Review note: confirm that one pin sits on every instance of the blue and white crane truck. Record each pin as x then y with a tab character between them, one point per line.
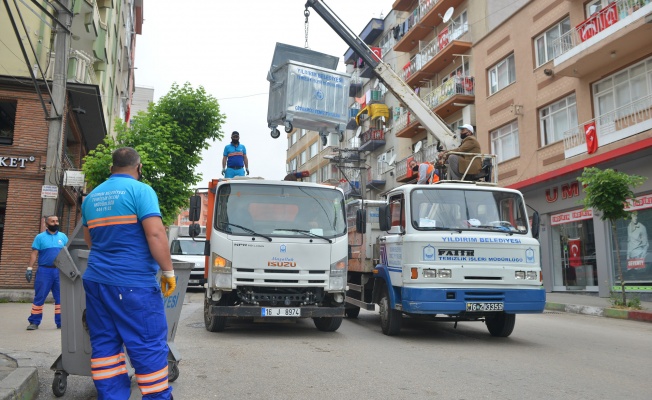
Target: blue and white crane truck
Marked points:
453	251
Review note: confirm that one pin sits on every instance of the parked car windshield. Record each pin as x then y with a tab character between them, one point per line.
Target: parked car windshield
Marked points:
187	248
280	210
468	210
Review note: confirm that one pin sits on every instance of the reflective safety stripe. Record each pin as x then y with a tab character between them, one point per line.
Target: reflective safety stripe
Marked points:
106	361
108	373
236	153
119	220
37	309
154	376
154	388
57	309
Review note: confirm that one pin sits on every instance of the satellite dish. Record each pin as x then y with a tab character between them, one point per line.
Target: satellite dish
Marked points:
357	133
391	160
448	14
417	147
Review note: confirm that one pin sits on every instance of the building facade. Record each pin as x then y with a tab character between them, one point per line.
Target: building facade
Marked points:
99	87
536	79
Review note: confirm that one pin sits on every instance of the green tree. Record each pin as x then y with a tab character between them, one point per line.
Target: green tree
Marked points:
170	137
607	191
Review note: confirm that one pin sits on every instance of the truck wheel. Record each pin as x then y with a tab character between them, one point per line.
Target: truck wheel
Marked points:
501	325
352	312
328	324
213	323
390	320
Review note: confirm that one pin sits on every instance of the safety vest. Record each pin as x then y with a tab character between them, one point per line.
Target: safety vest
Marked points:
430	173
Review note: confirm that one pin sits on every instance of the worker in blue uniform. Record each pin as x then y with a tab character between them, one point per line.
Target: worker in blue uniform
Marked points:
46	248
124	307
234	160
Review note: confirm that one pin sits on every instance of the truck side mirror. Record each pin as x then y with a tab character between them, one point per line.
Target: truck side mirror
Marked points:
194	230
535	225
195	208
361	221
384	218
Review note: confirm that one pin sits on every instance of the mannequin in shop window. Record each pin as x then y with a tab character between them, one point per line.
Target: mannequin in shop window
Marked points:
637	243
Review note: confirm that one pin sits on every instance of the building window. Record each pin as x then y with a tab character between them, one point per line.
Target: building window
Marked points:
504	142
556	119
7	121
548	45
293	138
502	74
458	26
303	132
4	190
304	157
456	125
626	92
314	149
383	161
292	165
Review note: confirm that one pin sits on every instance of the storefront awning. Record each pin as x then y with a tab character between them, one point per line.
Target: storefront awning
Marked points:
374	110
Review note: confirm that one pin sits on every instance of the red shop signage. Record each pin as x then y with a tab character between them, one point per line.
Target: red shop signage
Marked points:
571	216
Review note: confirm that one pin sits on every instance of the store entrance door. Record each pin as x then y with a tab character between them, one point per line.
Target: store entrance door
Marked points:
574	254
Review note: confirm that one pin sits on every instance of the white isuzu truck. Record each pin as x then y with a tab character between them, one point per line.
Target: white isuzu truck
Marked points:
274	249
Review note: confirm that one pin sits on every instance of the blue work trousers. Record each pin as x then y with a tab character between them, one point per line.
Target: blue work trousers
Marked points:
230	172
46	280
133	318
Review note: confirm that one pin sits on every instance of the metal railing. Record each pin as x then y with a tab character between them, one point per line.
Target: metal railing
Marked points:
462	85
596	23
622	122
372	134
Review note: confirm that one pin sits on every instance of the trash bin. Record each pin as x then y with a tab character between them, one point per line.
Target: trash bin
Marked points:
76	349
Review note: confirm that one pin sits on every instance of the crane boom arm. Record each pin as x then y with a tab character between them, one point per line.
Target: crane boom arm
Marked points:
423	114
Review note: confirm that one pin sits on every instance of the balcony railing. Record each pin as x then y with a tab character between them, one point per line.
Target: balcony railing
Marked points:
618	124
404	119
429	51
459	85
611	15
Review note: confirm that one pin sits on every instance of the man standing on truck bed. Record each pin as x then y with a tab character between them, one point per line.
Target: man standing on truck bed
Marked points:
234	160
457	163
124	308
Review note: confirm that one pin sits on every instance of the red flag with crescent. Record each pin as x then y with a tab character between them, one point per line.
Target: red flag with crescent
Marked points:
591	137
575	252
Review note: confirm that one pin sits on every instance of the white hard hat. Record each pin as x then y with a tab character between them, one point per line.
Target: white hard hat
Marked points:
467	126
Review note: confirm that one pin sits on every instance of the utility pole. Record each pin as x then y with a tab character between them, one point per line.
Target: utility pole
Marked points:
58	100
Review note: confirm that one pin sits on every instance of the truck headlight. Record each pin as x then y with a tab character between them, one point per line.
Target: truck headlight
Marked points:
532	275
338	271
519	274
221	270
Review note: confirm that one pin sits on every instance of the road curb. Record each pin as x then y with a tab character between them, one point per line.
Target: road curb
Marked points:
21	384
634	315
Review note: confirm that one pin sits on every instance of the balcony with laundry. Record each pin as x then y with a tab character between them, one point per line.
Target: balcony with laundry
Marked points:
436	55
372	139
369	35
623	122
451	96
622	27
420	22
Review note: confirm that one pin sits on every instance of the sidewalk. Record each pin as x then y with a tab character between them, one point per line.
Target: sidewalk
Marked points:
19	370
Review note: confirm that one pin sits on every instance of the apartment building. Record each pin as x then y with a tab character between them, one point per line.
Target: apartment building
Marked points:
552	77
100	83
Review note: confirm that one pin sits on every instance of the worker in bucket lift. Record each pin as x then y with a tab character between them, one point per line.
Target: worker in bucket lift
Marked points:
426	172
234	160
124	302
457	163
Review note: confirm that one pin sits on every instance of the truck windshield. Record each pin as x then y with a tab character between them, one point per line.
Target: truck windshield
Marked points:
468	210
280	210
187	247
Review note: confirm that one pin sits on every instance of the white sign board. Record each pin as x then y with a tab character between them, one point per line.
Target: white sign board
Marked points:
49	192
73	178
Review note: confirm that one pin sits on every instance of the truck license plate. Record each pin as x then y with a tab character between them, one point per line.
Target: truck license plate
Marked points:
280	312
484	307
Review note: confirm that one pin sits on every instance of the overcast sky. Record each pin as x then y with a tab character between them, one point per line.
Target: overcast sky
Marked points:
227	47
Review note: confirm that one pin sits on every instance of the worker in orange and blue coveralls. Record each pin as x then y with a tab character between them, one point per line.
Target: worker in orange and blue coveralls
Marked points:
234	160
124	302
426	171
46	248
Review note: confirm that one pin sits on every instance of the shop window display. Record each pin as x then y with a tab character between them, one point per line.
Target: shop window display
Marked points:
574	251
634	244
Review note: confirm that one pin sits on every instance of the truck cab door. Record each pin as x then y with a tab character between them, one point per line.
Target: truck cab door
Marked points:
391	244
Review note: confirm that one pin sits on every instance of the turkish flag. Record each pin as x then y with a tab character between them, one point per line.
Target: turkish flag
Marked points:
378	53
443	38
575	252
591	137
608	16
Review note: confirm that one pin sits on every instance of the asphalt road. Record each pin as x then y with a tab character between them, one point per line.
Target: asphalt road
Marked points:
549	356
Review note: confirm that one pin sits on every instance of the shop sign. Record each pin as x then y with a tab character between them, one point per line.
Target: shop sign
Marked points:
639	203
73	178
568	190
571	216
15	162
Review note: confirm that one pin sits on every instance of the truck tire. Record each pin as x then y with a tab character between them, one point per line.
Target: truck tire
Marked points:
213	323
501	325
352	312
390	319
328	324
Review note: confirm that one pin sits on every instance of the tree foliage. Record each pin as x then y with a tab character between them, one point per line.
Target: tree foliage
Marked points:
169	137
607	192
